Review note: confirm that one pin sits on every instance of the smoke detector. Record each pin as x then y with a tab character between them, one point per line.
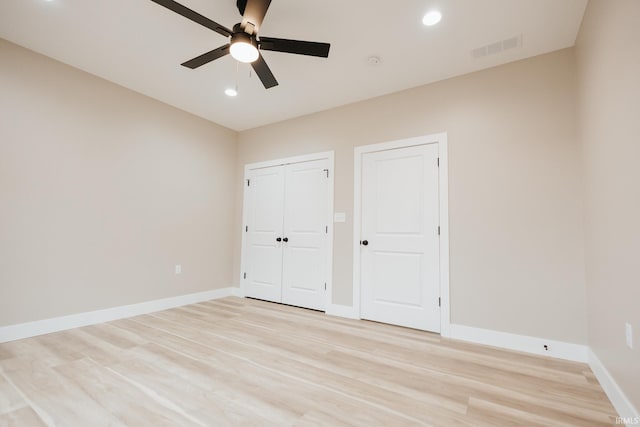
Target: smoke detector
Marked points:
374	60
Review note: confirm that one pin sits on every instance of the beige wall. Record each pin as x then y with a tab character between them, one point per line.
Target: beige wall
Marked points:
609	69
514	186
102	191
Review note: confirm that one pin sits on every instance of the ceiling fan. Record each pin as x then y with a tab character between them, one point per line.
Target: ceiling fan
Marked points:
244	44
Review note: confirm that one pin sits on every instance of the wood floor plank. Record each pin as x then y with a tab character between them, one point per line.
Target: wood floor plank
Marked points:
244	362
223	381
31	349
215	404
115	336
526	416
23	417
10	399
121	398
63	402
5	353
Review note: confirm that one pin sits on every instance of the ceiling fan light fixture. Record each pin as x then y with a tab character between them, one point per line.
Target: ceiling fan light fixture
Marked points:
243	48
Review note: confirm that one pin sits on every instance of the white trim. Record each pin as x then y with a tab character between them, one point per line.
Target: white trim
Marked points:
357	216
443	180
443	183
338	310
330	157
527	344
236	291
332	173
55	324
289	160
620	401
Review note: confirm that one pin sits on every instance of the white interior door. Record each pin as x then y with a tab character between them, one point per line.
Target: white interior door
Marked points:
305	234
264	228
399	231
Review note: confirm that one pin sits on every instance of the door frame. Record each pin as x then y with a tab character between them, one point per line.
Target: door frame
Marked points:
443	202
329	156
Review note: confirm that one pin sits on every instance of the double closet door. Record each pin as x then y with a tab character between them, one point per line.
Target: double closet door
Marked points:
287	233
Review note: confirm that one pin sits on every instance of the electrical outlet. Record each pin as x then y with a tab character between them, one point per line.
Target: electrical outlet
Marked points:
178	269
629	334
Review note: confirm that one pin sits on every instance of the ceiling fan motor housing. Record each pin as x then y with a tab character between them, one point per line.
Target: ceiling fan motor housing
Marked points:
242	37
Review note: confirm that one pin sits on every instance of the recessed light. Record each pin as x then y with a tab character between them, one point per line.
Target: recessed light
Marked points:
231	92
431	18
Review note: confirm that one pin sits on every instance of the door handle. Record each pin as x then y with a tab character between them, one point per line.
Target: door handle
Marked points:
279	239
364	242
286	239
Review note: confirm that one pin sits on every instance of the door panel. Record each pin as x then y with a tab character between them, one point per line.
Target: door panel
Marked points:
387	268
400	265
305	226
398	213
264	253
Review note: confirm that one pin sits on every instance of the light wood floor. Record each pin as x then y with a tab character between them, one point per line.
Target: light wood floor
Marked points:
244	362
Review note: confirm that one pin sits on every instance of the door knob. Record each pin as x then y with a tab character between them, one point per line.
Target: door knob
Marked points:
364	242
286	239
279	239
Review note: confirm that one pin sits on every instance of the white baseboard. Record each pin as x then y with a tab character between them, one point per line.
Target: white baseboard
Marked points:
46	326
620	402
236	291
341	311
559	349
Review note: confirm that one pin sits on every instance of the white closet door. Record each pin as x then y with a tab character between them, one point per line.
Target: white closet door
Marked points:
400	261
266	208
305	228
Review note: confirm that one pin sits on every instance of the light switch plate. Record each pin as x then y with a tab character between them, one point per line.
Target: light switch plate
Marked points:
178	269
629	335
340	217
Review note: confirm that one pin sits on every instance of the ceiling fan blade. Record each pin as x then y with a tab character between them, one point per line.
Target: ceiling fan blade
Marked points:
295	46
262	70
254	13
205	58
194	16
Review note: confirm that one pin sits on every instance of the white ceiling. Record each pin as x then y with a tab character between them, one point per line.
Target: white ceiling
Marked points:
140	45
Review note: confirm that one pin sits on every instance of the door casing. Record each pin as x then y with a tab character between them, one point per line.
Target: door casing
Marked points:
441	140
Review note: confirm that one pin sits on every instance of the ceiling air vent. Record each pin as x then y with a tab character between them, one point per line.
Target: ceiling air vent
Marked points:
497	47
